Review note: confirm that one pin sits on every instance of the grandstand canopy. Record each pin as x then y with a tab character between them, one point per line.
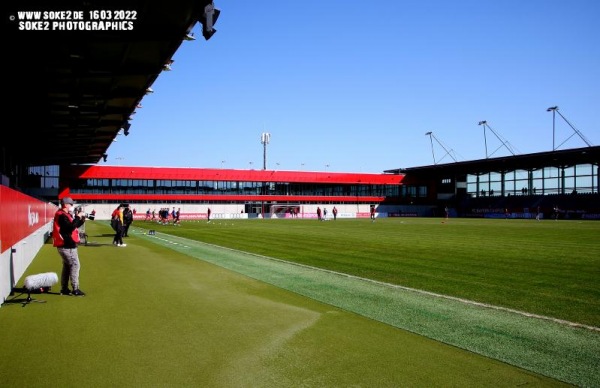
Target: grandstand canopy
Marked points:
71	92
558	158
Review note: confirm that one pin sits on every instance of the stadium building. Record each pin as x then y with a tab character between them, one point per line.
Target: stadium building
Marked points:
519	186
229	193
76	93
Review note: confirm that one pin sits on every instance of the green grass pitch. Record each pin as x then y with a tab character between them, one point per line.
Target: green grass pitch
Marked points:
549	268
160	313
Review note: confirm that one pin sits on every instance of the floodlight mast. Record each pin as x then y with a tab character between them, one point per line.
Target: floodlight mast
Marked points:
503	142
483	122
432	136
265	138
554	110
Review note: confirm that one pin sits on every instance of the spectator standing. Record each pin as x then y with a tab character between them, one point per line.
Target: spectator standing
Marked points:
177	215
117	224
127	221
65	236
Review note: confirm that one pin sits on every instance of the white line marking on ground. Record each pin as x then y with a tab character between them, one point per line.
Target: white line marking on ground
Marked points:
416	290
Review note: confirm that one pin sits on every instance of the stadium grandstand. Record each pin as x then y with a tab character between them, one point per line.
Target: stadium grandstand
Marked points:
519	186
81	91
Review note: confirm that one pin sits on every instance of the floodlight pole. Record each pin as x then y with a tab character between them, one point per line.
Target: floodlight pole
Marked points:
577	132
432	136
265	137
553	110
503	142
431	141
483	122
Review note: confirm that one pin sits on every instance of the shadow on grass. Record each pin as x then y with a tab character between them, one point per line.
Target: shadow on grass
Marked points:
24	301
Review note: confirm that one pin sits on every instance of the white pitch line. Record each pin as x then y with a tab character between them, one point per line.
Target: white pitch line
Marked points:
416	290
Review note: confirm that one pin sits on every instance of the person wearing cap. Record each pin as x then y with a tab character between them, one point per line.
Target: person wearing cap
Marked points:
65	236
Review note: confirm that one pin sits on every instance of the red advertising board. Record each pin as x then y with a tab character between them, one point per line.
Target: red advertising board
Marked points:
21	216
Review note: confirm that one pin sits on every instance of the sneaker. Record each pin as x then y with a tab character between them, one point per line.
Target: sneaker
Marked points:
122	245
78	292
65	292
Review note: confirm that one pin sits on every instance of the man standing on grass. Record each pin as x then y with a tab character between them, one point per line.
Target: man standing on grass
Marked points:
65	236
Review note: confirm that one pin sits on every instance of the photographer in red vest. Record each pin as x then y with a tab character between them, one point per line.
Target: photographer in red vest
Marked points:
65	236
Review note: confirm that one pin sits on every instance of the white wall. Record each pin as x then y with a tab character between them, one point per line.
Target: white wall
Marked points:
104	211
14	264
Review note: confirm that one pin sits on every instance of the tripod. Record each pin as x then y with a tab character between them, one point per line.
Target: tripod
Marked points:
29	299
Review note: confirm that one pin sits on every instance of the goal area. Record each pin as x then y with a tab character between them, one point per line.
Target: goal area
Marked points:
285	210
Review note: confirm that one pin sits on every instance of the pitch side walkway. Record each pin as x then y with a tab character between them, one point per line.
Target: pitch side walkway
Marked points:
549	347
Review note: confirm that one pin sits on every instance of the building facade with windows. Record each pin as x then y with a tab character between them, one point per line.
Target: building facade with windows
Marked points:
227	191
520	185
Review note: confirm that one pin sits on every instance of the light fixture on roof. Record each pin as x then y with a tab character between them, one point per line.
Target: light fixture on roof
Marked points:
126	128
167	66
209	19
189	37
139	106
149	91
104	157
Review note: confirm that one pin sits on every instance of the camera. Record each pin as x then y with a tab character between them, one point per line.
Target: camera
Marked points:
79	209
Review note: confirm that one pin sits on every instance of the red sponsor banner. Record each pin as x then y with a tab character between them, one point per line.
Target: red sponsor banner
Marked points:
21	216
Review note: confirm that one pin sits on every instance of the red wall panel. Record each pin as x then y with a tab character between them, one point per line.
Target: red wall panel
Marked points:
21	216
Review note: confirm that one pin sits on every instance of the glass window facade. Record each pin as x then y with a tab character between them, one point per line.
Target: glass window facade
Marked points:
190	187
46	177
581	178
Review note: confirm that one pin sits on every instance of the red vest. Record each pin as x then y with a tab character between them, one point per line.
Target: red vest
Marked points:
56	236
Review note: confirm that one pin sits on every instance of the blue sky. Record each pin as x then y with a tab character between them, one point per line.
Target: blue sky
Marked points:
354	86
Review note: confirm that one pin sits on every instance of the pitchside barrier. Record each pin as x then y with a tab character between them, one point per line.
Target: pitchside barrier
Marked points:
25	225
243	216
